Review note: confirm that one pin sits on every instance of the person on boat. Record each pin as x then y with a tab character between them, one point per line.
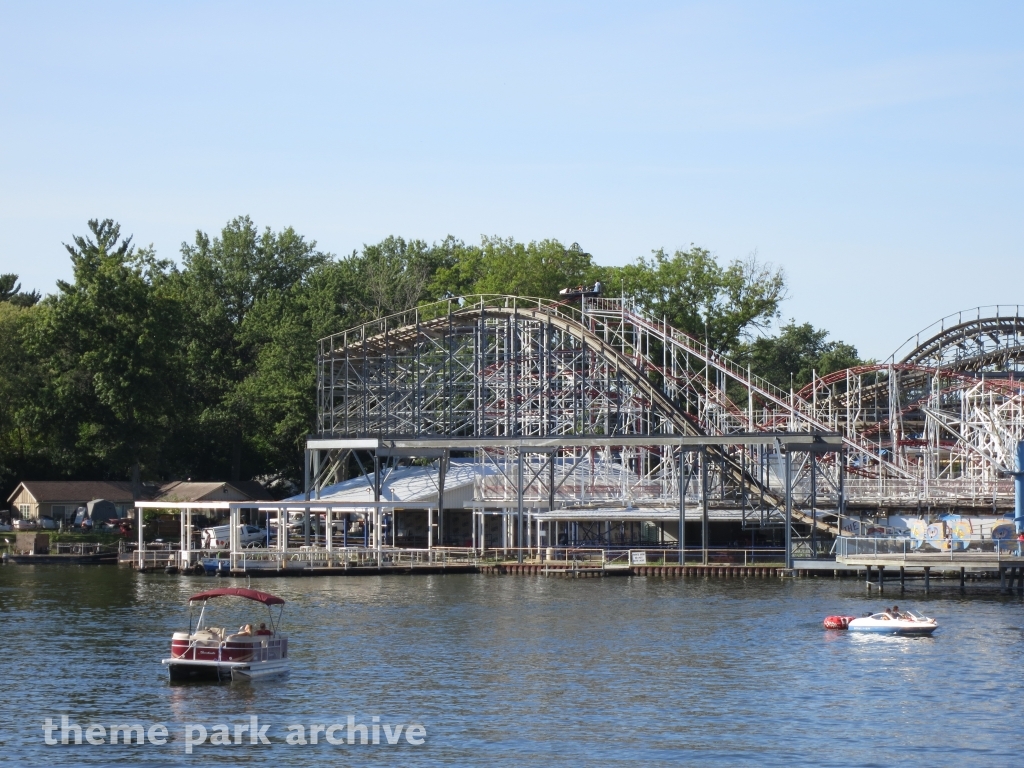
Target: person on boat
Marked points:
263	630
246	630
896	612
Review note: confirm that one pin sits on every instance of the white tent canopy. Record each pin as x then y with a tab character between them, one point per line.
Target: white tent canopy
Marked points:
409	483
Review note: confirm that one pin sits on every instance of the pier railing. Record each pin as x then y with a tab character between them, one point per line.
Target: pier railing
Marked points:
319	557
315	557
918	551
621	557
79	548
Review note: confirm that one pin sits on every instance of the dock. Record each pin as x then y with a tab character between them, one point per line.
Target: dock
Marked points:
561	562
987	557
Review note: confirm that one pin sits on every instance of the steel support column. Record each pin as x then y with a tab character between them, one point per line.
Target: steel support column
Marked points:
682	506
789	510
519	506
704	527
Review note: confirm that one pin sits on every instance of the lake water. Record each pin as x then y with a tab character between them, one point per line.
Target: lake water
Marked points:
525	670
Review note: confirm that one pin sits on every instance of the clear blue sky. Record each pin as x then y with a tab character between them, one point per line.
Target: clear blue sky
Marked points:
874	150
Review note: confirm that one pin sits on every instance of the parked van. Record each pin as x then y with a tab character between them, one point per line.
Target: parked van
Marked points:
220	536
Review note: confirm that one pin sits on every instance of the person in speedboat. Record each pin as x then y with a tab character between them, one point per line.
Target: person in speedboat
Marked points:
895	614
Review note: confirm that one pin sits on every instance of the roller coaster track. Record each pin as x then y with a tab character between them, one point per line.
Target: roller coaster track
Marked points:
558	316
505	365
762	388
971	345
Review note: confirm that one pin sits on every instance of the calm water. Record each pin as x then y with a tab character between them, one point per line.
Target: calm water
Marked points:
526	670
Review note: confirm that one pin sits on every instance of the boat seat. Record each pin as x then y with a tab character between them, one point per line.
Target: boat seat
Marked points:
210	633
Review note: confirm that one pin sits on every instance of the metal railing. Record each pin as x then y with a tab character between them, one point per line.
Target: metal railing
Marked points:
319	557
79	548
315	556
147	558
928	550
270	649
374	329
620	557
967	489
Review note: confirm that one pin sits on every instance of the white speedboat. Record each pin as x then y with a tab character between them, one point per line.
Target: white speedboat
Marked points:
208	652
906	623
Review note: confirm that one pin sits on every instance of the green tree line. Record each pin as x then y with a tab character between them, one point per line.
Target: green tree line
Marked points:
143	368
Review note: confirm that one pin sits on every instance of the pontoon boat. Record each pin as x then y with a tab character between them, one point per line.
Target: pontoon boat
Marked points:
207	652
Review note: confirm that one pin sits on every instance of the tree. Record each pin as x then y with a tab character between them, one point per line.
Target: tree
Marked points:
390	276
108	341
240	291
798	353
456	268
10	291
9	286
699	296
22	443
505	266
539	269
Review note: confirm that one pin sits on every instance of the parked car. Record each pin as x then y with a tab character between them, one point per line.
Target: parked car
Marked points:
24	524
220	536
48	523
317	522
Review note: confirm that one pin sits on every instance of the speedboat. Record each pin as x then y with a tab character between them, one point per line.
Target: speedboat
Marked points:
208	652
906	623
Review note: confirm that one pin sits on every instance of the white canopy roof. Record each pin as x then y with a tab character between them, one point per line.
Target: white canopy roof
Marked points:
415	483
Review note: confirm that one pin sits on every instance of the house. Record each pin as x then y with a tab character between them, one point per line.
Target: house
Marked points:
60	498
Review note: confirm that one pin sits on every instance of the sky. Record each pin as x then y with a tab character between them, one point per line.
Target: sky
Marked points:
872	150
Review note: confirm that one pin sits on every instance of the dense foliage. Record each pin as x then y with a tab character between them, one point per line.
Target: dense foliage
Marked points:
142	368
795	355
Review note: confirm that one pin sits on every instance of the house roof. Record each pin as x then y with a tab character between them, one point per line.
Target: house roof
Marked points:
254	489
189	491
81	491
76	491
180	490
